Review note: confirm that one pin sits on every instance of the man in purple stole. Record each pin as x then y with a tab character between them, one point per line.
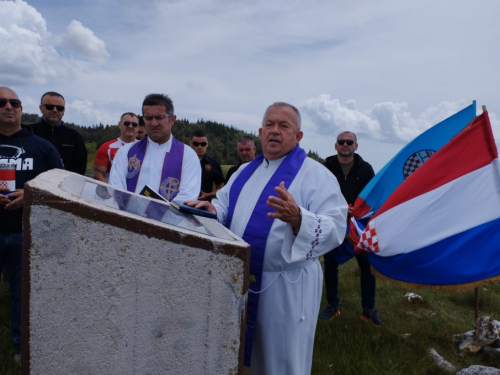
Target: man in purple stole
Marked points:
283	204
159	160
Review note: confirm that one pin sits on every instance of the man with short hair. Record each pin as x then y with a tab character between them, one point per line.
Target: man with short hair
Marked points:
211	172
68	142
128	125
141	130
159	160
246	150
289	222
353	174
30	155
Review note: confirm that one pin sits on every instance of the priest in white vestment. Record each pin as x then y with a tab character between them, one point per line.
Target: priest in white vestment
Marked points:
301	203
154	162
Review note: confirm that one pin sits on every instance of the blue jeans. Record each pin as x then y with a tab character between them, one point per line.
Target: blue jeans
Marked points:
332	281
11	250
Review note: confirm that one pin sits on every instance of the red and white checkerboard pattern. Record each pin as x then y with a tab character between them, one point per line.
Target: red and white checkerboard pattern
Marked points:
415	161
369	238
4	184
411	165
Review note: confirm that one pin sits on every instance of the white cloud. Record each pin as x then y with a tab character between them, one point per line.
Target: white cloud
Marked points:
83	112
83	40
386	122
27	56
397	123
31	55
329	117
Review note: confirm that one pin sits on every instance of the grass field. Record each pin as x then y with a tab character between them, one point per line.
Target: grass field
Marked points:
349	346
7	364
91	150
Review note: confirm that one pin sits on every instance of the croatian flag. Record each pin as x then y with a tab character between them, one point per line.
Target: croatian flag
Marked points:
398	169
406	161
441	226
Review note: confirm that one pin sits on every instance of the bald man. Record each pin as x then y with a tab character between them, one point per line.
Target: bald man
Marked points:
29	155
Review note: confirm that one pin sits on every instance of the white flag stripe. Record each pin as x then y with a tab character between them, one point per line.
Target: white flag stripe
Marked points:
462	204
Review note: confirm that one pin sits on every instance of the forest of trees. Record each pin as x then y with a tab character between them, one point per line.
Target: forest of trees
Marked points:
221	138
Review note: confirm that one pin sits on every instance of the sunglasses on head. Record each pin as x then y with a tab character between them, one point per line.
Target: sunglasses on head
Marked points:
50	107
349	142
15	103
202	144
128	123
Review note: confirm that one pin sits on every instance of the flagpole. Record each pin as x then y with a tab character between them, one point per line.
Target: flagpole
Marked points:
476	290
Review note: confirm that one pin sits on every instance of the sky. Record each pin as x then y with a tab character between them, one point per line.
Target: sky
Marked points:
386	70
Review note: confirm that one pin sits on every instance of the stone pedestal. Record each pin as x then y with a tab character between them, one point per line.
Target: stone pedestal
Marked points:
118	284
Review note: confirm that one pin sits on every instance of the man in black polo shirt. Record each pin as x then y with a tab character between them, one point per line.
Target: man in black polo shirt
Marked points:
211	172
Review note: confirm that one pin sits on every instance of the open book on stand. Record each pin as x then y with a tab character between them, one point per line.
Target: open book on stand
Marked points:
147	191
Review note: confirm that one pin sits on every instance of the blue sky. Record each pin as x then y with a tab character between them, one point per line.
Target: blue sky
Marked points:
386	70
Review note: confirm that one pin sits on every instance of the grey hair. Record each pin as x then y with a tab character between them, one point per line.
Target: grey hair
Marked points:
246	139
283	104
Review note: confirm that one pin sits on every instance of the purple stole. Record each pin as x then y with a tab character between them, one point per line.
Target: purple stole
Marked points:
171	171
259	226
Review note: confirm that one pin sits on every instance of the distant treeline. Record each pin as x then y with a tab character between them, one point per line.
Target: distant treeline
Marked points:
222	139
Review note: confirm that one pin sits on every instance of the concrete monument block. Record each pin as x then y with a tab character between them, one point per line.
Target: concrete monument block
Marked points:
116	283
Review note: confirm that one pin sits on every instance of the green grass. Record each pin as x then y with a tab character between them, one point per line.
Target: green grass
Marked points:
349	346
91	150
7	364
225	168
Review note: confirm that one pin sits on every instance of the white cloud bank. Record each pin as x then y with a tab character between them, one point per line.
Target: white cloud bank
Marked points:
27	56
386	122
33	55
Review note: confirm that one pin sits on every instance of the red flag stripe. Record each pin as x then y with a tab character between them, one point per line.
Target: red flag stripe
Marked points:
464	153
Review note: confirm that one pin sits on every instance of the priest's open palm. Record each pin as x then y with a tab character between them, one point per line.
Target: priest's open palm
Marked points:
286	208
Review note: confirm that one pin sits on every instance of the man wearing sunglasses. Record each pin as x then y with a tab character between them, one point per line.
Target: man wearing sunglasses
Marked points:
211	172
353	174
160	161
31	156
68	141
128	126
